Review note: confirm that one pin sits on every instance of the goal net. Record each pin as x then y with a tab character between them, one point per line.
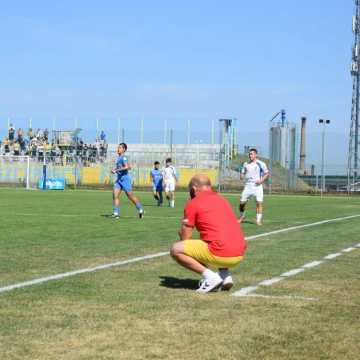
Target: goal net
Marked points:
19	171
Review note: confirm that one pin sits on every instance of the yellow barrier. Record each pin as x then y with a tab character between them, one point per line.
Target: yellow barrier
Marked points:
97	175
141	176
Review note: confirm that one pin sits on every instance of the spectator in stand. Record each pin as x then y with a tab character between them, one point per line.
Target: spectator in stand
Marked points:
46	135
102	137
20	135
16	148
30	134
21	140
11	133
6	145
39	134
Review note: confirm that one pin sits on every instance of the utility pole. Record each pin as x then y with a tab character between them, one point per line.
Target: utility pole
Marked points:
323	123
353	155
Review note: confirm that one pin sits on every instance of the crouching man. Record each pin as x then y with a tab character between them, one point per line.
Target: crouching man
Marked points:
221	245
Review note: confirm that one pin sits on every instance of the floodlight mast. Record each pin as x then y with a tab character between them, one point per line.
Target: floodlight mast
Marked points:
353	154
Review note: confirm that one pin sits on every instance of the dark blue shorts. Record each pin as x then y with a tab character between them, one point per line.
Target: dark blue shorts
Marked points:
157	187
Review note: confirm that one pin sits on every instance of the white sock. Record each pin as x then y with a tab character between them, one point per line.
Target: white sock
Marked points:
258	217
172	203
242	213
208	274
224	273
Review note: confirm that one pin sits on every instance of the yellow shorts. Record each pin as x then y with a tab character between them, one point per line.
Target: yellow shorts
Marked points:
199	250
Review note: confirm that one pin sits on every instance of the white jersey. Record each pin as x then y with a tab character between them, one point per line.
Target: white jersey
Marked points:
169	174
253	171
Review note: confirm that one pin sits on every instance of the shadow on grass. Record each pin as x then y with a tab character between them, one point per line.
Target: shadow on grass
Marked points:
175	283
248	222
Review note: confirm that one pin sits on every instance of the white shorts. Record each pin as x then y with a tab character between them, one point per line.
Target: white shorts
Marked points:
169	186
252	190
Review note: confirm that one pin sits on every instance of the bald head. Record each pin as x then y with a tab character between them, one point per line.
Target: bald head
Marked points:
200	180
199	183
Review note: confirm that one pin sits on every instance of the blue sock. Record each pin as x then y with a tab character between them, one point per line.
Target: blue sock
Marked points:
115	210
138	206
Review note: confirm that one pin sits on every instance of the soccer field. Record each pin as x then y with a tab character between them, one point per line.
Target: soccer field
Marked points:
296	294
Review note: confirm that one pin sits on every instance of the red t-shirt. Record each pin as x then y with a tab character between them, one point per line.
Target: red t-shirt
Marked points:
214	218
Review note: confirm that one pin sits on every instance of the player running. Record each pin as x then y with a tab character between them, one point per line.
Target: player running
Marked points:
255	173
169	181
123	182
157	183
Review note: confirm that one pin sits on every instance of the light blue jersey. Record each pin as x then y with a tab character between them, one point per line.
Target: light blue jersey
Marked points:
157	179
120	162
123	180
156	176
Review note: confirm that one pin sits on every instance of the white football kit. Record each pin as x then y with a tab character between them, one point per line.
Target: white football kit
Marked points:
253	172
169	178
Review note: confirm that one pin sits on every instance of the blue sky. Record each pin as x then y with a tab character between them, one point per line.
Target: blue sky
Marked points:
177	60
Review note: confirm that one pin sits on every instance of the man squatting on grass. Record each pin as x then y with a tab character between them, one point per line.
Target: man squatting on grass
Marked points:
221	245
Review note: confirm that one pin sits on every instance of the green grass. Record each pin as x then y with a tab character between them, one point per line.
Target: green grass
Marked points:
149	309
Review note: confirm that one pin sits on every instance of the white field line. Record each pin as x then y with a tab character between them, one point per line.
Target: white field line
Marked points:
81	271
312	264
332	256
301	226
292	272
286	297
247	291
349	249
147	257
94	215
271	281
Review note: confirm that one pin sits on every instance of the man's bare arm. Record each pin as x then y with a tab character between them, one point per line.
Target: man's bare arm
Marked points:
264	178
185	232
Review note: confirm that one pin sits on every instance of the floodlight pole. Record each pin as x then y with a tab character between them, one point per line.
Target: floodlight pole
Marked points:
165	131
212	131
323	122
188	132
142	130
118	131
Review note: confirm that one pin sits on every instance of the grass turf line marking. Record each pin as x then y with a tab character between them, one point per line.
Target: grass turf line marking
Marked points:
301	226
312	264
142	258
349	249
246	292
292	272
271	281
81	271
94	215
332	256
286	297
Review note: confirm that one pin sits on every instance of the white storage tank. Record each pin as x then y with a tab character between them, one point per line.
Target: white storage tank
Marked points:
283	144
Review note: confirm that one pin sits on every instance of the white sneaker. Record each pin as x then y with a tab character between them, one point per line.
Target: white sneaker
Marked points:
227	283
208	285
